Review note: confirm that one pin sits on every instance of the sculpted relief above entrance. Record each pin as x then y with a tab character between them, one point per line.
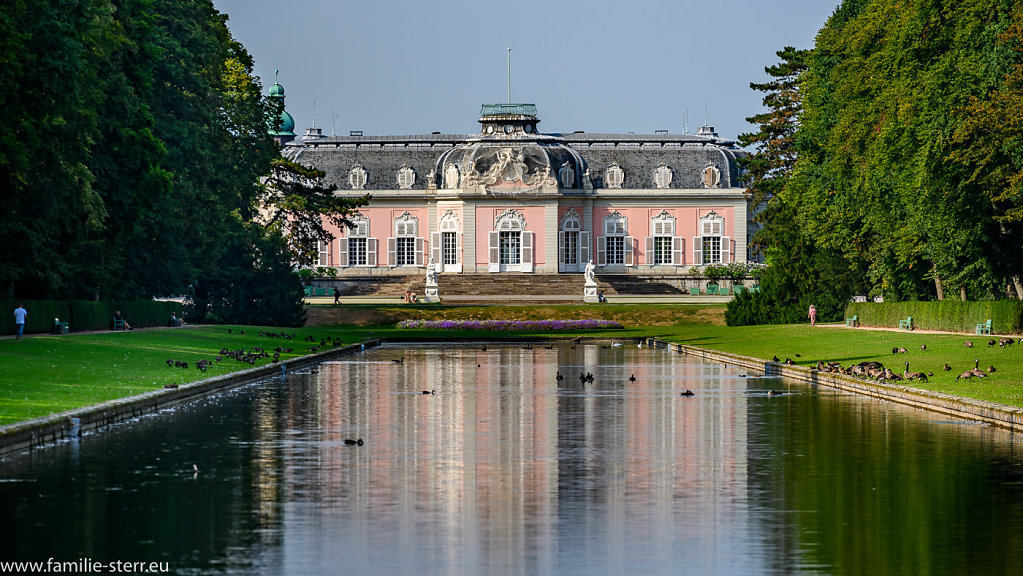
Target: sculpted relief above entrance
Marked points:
509	169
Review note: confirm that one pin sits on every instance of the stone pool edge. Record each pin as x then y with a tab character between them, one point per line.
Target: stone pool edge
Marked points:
46	430
993	413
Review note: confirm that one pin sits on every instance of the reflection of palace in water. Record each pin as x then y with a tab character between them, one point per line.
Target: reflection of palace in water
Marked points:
502	453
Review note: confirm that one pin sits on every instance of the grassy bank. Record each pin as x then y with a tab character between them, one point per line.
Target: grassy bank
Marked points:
44	375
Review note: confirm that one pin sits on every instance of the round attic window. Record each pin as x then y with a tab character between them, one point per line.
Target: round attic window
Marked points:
508	128
490	129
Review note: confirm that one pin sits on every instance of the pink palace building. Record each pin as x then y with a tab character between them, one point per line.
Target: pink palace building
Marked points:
512	200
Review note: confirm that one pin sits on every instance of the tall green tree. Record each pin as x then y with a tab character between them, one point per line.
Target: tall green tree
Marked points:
49	112
799	272
885	87
295	204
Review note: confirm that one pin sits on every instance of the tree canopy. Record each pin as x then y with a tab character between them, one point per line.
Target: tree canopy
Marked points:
907	179
135	157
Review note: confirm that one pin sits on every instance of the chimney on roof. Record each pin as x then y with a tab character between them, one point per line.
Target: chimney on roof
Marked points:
707	131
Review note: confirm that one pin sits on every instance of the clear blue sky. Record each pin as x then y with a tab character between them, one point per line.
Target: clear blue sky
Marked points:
417	66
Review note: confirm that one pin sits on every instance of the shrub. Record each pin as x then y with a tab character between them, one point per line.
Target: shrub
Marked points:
714	273
948	315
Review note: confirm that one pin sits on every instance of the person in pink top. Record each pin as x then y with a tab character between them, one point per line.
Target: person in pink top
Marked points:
812	315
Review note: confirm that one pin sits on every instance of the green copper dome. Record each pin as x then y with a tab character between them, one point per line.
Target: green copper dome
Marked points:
287	124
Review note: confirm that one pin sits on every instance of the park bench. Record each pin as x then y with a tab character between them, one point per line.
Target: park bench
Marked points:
737	289
853	322
61	327
754	288
713	290
906	324
694	290
984	328
118	323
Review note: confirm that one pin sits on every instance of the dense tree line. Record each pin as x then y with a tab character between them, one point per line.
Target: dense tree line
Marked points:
901	173
134	157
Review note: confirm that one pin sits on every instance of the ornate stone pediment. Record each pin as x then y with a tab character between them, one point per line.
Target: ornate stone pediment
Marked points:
662	176
614	177
509	170
711	176
451	177
566	174
406	177
357	177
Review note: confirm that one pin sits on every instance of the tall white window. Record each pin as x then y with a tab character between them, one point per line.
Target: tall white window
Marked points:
573	243
662	246
405	248
614	248
511	246
322	253
570	241
357	248
711	246
449	248
446	244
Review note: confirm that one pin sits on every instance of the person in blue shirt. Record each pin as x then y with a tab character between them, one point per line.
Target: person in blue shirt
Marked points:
19	319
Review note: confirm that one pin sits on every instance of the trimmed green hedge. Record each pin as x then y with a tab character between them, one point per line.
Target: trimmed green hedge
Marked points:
86	315
948	315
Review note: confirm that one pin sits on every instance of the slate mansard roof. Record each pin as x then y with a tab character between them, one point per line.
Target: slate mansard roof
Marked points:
687	156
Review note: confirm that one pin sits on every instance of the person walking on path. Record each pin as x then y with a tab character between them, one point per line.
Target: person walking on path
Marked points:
19	319
337	296
812	315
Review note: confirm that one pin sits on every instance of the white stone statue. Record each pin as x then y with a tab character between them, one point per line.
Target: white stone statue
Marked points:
590	288
590	274
432	292
431	273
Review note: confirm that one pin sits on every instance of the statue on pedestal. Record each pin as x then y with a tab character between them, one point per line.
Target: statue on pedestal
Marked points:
590	274
590	288
432	292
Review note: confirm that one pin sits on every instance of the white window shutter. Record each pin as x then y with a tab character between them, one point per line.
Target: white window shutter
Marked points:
561	249
726	249
392	257
420	250
629	249
494	238
527	251
584	248
458	252
435	251
649	256
677	251
342	252
697	250
371	251
601	250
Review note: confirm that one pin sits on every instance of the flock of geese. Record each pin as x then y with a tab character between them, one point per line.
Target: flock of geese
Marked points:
875	370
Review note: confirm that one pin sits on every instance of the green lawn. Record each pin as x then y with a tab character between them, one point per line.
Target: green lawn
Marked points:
47	374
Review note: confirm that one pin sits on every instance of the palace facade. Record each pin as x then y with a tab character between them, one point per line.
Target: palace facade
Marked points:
512	199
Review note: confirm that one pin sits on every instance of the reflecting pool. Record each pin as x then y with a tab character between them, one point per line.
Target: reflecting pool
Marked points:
479	460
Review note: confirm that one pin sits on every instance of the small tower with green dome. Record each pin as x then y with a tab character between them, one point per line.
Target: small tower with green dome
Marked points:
284	131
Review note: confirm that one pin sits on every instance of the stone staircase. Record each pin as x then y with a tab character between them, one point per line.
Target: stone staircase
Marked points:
467	285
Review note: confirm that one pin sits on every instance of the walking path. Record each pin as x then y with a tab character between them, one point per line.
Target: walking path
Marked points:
978	337
532	299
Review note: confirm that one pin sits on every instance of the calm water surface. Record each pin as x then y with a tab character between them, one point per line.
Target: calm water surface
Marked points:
506	470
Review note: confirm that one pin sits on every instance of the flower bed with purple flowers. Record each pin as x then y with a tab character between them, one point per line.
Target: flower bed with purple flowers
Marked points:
522	325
